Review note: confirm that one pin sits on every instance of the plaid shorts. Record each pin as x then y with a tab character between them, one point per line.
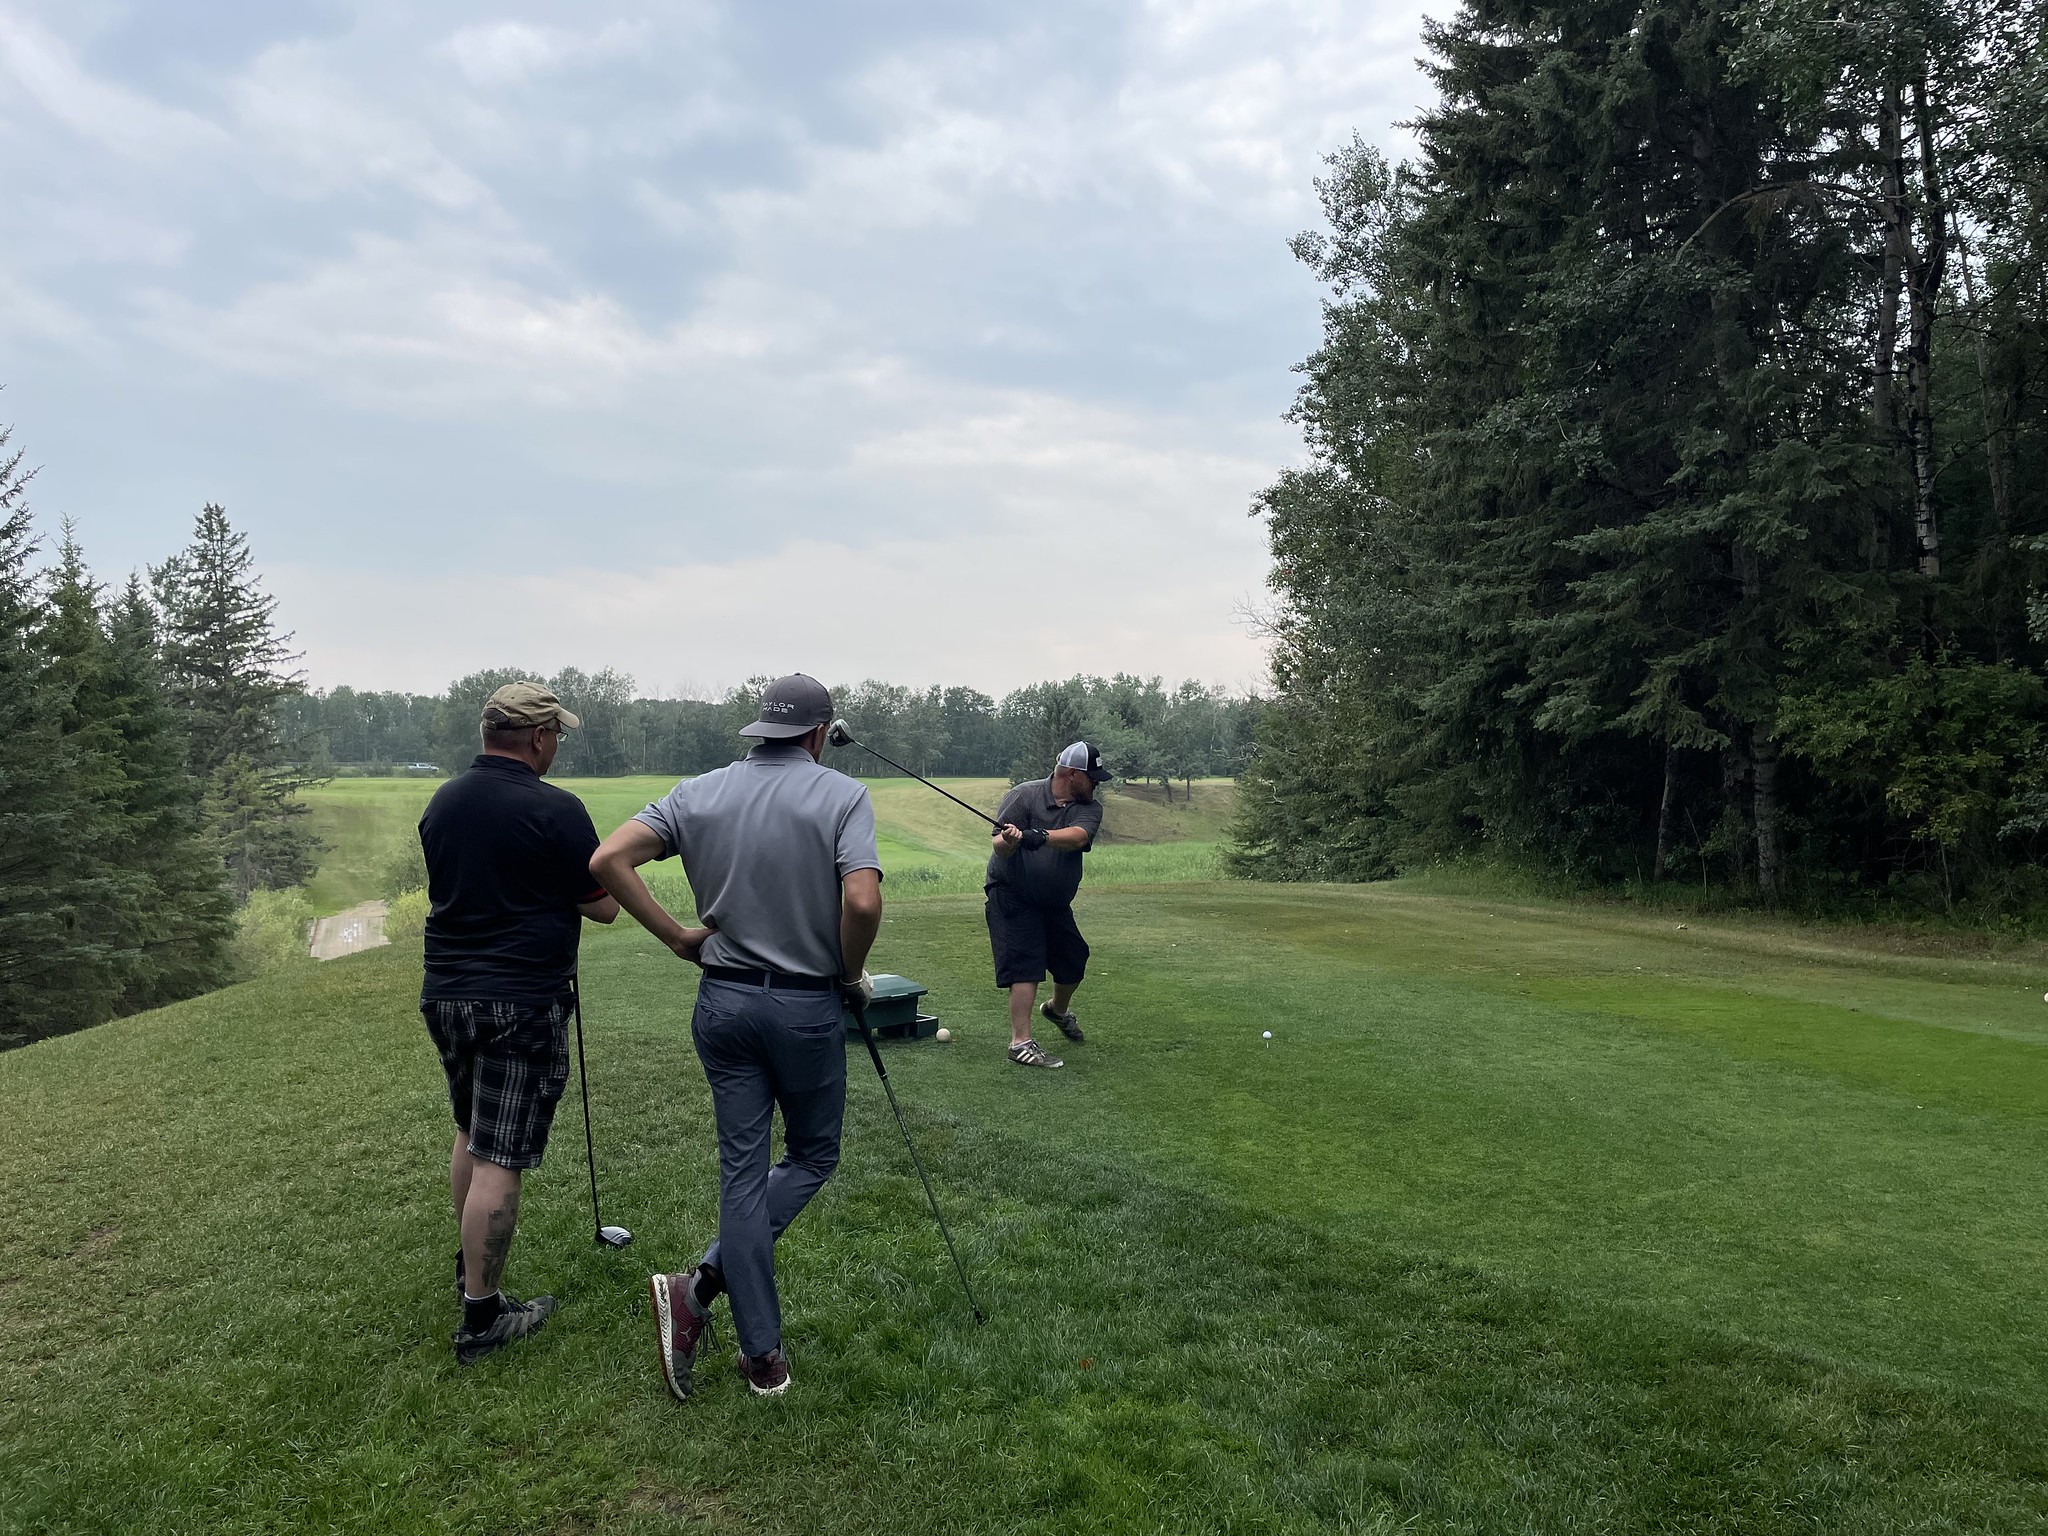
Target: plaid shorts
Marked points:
507	1064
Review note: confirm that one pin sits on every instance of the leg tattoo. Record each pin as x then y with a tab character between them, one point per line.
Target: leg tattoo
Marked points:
503	1218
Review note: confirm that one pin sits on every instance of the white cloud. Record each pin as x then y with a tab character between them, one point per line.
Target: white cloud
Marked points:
511	52
125	123
313	134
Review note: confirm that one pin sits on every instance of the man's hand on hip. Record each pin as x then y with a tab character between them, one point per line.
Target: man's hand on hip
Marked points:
689	944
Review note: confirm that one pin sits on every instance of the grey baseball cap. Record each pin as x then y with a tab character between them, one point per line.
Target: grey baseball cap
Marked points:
1084	757
791	706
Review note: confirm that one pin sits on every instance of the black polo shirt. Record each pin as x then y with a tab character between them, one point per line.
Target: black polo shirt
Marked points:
1045	877
508	860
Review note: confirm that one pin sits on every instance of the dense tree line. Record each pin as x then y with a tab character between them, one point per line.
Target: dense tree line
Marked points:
142	780
1679	460
1145	731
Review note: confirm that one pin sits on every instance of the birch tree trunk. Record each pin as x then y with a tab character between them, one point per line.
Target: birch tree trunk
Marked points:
1884	423
1664	814
1925	269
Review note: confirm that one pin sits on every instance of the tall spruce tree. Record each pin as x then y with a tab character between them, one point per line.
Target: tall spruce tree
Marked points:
228	670
57	968
188	915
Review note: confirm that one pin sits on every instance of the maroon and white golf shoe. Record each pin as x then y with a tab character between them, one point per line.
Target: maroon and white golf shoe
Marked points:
682	1330
767	1375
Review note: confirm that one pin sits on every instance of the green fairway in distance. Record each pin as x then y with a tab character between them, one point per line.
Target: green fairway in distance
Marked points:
1493	1235
365	824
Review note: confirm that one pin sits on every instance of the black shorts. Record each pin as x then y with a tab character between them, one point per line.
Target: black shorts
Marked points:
507	1064
1029	941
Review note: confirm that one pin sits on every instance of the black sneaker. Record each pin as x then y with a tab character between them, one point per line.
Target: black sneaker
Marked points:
515	1320
682	1329
1069	1023
767	1375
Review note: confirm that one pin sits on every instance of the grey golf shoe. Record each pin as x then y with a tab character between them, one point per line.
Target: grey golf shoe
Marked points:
514	1322
1029	1053
1069	1022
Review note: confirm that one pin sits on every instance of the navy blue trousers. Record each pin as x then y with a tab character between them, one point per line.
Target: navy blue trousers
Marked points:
763	1050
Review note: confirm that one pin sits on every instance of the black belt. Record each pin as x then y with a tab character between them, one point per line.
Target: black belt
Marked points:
779	981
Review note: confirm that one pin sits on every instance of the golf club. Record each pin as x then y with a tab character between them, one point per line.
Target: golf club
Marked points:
611	1237
839	736
860	1017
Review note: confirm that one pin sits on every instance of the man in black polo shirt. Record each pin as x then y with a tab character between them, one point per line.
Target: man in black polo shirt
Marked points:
1034	870
508	883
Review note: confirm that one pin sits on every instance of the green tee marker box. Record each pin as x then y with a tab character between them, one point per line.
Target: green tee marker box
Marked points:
894	1014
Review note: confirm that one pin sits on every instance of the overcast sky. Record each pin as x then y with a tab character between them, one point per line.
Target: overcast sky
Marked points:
940	342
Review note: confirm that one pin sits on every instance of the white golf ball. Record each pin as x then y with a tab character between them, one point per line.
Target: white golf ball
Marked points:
1267	1035
945	1034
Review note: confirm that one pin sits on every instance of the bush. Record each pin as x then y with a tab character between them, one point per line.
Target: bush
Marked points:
406	916
406	870
272	933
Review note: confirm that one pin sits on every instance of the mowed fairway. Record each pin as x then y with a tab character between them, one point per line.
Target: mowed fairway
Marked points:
928	844
1529	1218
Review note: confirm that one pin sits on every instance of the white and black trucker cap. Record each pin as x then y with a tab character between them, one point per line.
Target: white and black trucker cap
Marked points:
791	706
1088	760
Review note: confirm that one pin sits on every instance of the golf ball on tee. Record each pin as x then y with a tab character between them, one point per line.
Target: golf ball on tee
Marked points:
1267	1035
945	1034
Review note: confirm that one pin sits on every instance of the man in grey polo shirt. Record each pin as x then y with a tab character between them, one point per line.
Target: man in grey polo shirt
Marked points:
780	854
1034	869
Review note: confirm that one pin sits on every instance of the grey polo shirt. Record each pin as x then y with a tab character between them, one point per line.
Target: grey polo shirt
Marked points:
1045	877
765	843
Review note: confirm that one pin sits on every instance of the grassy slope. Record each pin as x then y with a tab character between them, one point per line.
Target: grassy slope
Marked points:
1499	1233
365	823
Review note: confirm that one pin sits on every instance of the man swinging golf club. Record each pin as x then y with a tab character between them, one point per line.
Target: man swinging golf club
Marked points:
1034	870
780	854
508	885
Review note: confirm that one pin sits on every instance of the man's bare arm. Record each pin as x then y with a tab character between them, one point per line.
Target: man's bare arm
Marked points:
599	911
616	866
860	919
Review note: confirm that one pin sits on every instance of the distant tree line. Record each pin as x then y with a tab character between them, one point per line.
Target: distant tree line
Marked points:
1144	730
1678	490
145	786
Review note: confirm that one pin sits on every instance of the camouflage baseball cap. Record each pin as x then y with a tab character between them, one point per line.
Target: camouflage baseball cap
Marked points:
518	705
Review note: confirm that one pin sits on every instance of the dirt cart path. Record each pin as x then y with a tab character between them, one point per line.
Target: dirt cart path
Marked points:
360	927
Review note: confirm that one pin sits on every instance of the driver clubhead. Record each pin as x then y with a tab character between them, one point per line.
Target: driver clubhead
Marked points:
838	735
614	1237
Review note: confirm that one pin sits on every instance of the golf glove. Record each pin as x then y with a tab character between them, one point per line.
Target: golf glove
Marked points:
862	990
1034	837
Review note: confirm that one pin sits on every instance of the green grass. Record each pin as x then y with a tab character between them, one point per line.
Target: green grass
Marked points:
367	824
1530	1217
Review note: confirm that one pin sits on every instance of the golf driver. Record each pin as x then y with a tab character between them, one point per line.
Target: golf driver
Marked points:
839	736
860	1017
611	1237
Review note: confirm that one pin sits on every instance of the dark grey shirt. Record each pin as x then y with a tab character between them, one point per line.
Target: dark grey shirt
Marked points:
1045	877
765	843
